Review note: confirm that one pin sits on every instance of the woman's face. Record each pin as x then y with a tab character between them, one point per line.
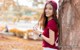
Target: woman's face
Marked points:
49	10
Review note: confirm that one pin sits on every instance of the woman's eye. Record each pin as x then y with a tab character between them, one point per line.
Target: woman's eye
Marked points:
50	8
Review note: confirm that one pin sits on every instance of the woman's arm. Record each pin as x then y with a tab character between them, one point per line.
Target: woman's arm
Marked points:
51	38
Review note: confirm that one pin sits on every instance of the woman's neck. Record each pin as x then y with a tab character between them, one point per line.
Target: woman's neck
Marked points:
49	18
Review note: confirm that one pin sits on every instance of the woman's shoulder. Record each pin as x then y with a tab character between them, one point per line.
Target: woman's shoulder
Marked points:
52	25
51	22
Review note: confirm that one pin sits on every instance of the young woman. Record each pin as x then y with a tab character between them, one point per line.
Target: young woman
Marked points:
49	23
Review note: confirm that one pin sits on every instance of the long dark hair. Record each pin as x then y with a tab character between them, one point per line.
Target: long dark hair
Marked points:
44	20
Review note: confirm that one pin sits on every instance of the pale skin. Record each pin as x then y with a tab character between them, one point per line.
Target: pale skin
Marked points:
51	39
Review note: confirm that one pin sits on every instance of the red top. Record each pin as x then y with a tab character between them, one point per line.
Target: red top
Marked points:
53	26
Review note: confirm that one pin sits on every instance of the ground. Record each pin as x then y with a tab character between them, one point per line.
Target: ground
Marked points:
15	43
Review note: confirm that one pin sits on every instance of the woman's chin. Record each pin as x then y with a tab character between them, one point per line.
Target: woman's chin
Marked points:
47	15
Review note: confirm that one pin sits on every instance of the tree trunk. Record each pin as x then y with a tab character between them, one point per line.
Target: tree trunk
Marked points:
69	16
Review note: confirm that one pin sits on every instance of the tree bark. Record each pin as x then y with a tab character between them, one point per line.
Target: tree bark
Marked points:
69	17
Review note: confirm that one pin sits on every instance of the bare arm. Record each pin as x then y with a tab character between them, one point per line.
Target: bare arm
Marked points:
51	38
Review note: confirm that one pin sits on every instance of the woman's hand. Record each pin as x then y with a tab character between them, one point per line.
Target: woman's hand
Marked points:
36	30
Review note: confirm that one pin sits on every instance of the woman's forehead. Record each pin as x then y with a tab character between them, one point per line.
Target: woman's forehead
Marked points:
49	5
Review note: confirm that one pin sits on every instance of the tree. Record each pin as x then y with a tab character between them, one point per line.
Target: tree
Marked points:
69	16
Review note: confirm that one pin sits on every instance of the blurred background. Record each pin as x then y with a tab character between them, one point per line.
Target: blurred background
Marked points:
17	19
20	15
